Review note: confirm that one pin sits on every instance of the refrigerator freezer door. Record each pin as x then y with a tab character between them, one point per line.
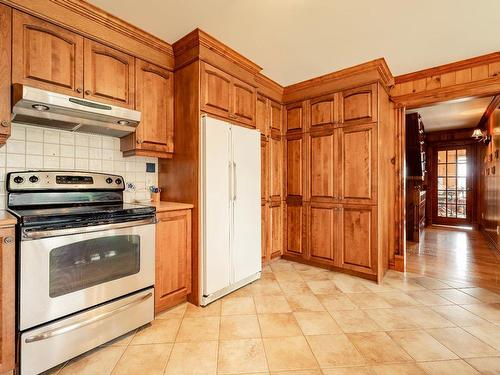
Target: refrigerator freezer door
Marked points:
216	205
246	244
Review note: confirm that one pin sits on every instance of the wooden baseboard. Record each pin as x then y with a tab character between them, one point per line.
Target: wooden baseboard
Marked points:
399	263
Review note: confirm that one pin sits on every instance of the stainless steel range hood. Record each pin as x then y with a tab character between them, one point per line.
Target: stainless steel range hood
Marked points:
49	109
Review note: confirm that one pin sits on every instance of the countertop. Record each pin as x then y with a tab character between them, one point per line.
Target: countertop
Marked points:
6	219
171	206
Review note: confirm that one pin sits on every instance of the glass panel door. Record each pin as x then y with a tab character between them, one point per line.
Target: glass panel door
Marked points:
452	187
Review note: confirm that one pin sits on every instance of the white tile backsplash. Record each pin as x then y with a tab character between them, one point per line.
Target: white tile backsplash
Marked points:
31	147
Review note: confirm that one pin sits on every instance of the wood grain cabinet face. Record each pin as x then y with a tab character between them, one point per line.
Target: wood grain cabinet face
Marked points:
173	258
265	232
261	118
294	166
154	98
294	228
7	299
294	117
324	111
244	102
46	56
276	168
359	163
276	117
276	218
108	75
323	168
324	234
358	250
216	91
359	105
264	170
5	71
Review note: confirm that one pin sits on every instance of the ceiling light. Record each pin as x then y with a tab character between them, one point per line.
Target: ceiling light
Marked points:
481	136
40	107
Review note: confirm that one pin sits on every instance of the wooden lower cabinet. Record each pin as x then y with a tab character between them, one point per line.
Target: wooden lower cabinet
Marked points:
7	298
276	224
358	250
294	214
265	232
173	258
324	235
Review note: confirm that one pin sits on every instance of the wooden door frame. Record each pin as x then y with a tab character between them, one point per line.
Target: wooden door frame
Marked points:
475	77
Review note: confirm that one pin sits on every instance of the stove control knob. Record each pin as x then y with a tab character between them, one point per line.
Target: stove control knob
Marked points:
118	181
33	179
18	180
109	180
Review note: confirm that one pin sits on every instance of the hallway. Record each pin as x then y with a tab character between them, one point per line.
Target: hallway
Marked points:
459	255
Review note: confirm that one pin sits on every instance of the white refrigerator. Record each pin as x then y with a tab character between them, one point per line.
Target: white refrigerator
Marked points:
230	243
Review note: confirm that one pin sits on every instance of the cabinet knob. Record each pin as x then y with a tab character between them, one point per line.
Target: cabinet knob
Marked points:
4	123
139	141
88	92
8	240
79	90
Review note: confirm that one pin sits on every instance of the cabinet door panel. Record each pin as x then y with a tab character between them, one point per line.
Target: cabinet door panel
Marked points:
244	102
109	75
46	56
265	232
276	218
359	164
216	91
323	111
294	155
276	117
173	258
276	168
154	98
360	104
322	233
294	227
359	243
261	120
294	117
264	170
322	165
5	71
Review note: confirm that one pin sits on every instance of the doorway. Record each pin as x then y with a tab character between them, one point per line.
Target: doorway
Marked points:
453	186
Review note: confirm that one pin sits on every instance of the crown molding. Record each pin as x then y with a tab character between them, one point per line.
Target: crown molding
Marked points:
267	87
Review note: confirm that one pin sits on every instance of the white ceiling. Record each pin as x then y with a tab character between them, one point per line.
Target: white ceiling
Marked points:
455	114
294	40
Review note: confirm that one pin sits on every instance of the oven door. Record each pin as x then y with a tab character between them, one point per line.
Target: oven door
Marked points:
65	274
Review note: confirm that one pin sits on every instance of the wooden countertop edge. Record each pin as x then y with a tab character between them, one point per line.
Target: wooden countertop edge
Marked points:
171	206
7	219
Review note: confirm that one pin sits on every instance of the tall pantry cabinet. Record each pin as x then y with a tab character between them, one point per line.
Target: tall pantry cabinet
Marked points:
339	173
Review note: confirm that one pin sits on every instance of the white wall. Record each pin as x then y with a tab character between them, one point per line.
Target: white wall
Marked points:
34	148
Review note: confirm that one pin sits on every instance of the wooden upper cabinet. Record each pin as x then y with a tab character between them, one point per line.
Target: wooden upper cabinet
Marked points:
173	258
294	117
294	166
323	167
359	163
359	105
275	117
261	118
46	56
276	168
7	299
264	170
5	71
108	75
324	111
227	96
216	92
243	109
358	249
154	98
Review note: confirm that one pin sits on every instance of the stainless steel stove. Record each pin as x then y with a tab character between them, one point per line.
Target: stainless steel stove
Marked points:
85	263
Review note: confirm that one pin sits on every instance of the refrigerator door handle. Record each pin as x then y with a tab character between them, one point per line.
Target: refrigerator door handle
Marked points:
231	182
235	186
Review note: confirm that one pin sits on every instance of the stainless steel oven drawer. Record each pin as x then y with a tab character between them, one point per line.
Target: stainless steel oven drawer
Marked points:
49	345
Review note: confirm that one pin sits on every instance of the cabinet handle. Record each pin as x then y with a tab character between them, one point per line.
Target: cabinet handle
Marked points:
8	240
5	123
79	90
88	92
139	141
233	116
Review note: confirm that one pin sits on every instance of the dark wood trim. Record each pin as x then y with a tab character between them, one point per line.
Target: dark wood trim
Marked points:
494	104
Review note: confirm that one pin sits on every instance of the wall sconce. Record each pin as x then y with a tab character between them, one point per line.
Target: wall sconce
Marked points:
481	136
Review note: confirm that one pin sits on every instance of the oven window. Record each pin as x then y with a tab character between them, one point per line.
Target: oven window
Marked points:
83	264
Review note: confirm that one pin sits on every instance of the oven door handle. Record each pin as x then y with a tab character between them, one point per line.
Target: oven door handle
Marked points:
95	228
77	325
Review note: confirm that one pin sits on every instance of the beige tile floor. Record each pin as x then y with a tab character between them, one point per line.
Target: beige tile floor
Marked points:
301	320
